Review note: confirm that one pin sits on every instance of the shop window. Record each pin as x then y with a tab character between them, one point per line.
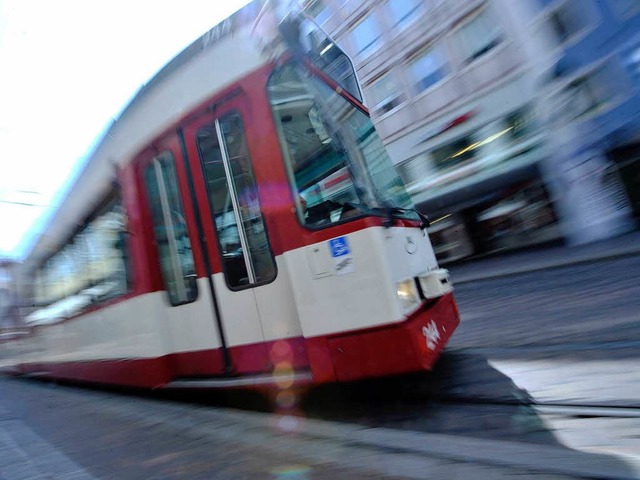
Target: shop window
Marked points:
454	153
427	69
520	123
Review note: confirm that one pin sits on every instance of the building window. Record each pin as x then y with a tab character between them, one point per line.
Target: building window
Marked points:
349	6
570	18
591	92
366	36
427	69
403	12
633	63
538	6
383	95
454	153
582	96
520	124
478	36
318	11
415	169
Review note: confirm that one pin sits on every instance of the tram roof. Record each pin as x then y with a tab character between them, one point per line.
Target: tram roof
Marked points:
185	82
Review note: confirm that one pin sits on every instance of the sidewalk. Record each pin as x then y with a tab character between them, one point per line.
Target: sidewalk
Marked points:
533	260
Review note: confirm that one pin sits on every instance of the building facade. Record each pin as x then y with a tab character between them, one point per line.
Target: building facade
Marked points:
595	83
467	97
9	303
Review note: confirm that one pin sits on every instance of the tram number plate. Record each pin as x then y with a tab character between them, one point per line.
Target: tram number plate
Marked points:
431	335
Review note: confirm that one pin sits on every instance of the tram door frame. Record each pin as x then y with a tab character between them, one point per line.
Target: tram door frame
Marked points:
199	348
241	321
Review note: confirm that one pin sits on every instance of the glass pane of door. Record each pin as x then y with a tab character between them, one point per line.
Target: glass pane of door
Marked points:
170	230
233	196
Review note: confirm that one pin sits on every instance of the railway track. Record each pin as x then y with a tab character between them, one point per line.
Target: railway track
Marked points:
560	347
568	409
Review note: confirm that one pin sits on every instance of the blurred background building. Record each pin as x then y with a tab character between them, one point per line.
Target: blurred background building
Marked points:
512	123
9	304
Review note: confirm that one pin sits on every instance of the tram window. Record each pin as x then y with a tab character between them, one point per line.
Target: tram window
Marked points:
170	230
335	159
317	160
233	196
91	268
104	247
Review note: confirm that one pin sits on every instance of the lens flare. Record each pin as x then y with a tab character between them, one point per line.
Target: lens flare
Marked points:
286	399
292	471
288	424
283	375
281	351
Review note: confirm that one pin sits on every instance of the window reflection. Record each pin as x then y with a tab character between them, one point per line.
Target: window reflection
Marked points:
233	196
170	230
335	158
90	268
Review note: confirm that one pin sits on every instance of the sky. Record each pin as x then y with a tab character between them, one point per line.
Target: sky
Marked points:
67	68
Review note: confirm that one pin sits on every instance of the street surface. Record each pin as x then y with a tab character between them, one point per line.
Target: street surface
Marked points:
565	336
61	432
542	360
539	357
581	305
67	433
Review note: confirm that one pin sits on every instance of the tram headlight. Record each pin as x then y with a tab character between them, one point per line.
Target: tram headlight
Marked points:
407	294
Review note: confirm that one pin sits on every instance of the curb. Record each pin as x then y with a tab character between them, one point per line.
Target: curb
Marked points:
545	265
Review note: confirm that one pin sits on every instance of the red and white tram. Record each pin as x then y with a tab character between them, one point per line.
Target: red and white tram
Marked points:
239	224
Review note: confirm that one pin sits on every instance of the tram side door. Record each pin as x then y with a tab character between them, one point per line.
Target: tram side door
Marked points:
177	265
235	235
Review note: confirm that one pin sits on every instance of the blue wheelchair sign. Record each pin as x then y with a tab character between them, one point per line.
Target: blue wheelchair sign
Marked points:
339	247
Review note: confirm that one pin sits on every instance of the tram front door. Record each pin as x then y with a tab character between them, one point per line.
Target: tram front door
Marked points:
255	299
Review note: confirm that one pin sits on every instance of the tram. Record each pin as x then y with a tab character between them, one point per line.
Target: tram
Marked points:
239	224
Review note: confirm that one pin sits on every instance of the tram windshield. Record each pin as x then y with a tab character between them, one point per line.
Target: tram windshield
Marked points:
335	158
